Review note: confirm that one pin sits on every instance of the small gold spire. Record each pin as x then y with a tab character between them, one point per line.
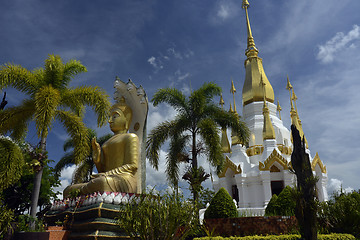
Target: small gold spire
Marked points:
294	98
278	108
222	102
233	91
231	109
225	145
289	87
268	129
295	119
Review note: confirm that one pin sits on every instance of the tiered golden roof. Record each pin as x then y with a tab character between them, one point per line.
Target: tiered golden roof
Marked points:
252	90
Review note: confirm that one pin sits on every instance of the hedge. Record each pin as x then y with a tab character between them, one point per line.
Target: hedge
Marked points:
334	236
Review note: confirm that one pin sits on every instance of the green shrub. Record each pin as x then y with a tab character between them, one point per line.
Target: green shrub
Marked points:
24	224
7	216
157	216
221	206
282	237
282	205
341	214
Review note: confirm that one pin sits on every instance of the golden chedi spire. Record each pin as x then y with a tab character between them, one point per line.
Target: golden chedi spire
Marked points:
252	90
234	138
225	145
295	120
268	129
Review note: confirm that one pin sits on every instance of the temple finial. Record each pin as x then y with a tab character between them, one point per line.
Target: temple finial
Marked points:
251	50
289	87
278	108
222	102
233	91
294	98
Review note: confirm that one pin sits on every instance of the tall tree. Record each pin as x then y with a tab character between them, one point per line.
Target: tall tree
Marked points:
194	131
85	168
306	206
50	98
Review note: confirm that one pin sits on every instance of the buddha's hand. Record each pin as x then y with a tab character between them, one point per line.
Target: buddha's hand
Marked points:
96	150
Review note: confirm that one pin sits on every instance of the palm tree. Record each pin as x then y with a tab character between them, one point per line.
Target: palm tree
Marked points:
194	130
50	98
85	167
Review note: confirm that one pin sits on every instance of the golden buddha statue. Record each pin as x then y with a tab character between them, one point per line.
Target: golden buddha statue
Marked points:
117	160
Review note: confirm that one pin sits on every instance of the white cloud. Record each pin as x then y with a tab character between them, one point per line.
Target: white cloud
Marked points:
335	185
174	53
65	179
223	11
337	44
156	63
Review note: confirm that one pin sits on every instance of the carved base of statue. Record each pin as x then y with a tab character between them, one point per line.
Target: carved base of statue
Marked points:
124	182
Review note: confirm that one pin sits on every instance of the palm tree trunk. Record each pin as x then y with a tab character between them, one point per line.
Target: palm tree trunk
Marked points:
36	188
194	164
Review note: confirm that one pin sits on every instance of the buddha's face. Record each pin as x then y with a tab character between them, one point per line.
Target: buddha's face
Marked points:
118	122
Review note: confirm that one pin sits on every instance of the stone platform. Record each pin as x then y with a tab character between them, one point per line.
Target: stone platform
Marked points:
96	221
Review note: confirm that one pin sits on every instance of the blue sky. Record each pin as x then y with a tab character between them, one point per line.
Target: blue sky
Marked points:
185	43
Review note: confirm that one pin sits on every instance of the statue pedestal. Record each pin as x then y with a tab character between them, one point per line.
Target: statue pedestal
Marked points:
96	221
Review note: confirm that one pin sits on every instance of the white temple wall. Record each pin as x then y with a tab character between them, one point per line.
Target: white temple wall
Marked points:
266	183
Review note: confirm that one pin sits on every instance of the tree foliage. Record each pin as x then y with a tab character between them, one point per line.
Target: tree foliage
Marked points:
305	195
11	162
50	98
194	131
221	206
341	214
17	196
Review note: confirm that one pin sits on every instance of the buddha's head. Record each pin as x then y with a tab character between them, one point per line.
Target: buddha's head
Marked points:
120	117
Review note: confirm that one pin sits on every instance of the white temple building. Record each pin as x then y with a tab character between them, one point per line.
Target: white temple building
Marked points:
255	171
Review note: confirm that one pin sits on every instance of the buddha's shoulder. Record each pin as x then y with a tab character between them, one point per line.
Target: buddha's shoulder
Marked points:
128	136
131	136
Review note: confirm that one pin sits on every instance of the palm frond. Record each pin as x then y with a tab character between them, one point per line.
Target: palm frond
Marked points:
15	119
65	161
210	134
18	77
201	97
47	100
73	68
68	144
11	163
83	171
227	119
174	157
156	138
207	90
171	96
54	72
78	132
90	96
